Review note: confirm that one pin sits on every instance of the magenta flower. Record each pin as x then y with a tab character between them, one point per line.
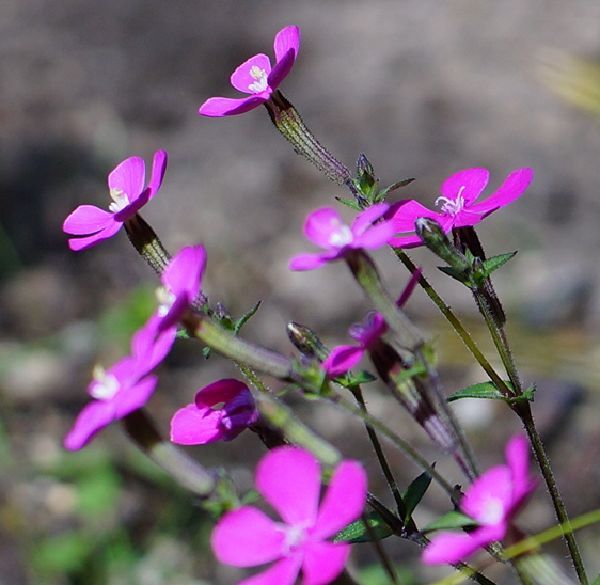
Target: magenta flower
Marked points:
181	284
458	207
289	478
91	224
492	500
255	77
326	229
344	357
220	412
123	388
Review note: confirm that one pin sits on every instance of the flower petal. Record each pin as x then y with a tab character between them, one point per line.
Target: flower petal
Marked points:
489	497
159	167
219	391
512	188
77	244
284	572
312	261
134	397
93	417
366	218
287	39
344	500
128	177
405	213
87	220
247	537
450	548
376	237
242	77
193	426
289	478
322	225
323	562
151	344
184	273
517	457
218	107
342	358
468	183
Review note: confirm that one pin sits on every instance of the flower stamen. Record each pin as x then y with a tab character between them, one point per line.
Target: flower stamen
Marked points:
260	76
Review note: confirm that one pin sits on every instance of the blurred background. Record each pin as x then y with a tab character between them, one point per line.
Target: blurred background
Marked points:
424	88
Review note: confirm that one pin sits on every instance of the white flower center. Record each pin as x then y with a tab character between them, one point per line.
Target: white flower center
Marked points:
260	82
119	200
452	206
340	234
493	511
105	385
165	300
294	536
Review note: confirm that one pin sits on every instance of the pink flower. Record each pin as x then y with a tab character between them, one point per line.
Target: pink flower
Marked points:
289	478
493	500
123	388
457	203
344	357
181	283
326	229
255	77
221	411
91	224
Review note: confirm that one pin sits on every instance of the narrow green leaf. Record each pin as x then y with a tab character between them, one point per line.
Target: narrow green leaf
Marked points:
246	317
496	262
351	379
349	203
488	390
415	492
452	519
397	185
357	531
459	275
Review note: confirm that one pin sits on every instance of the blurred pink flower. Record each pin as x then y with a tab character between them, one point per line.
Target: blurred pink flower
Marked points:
91	224
256	77
458	203
492	500
289	478
220	412
325	228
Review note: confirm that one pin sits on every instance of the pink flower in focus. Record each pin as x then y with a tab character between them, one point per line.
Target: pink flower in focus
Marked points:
492	500
256	77
326	229
344	357
458	207
181	284
91	224
220	412
123	388
289	478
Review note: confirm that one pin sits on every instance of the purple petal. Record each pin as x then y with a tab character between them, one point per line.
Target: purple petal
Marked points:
450	548
217	107
517	457
136	204
194	426
241	78
512	188
87	220
312	261
289	478
151	344
342	358
281	70
247	537
284	572
409	288
128	177
405	242
159	167
323	225
489	497
468	184
287	39
365	219
407	212
376	237
77	244
184	273
467	217
93	417
134	397
323	562
344	500
219	391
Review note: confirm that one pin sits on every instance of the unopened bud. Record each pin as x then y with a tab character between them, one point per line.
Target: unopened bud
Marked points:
306	341
433	236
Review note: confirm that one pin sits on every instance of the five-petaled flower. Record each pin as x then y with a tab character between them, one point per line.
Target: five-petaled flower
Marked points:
289	478
458	206
256	77
91	225
123	388
326	229
492	501
220	412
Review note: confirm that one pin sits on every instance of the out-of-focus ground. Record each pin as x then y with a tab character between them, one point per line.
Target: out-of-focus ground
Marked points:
424	88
